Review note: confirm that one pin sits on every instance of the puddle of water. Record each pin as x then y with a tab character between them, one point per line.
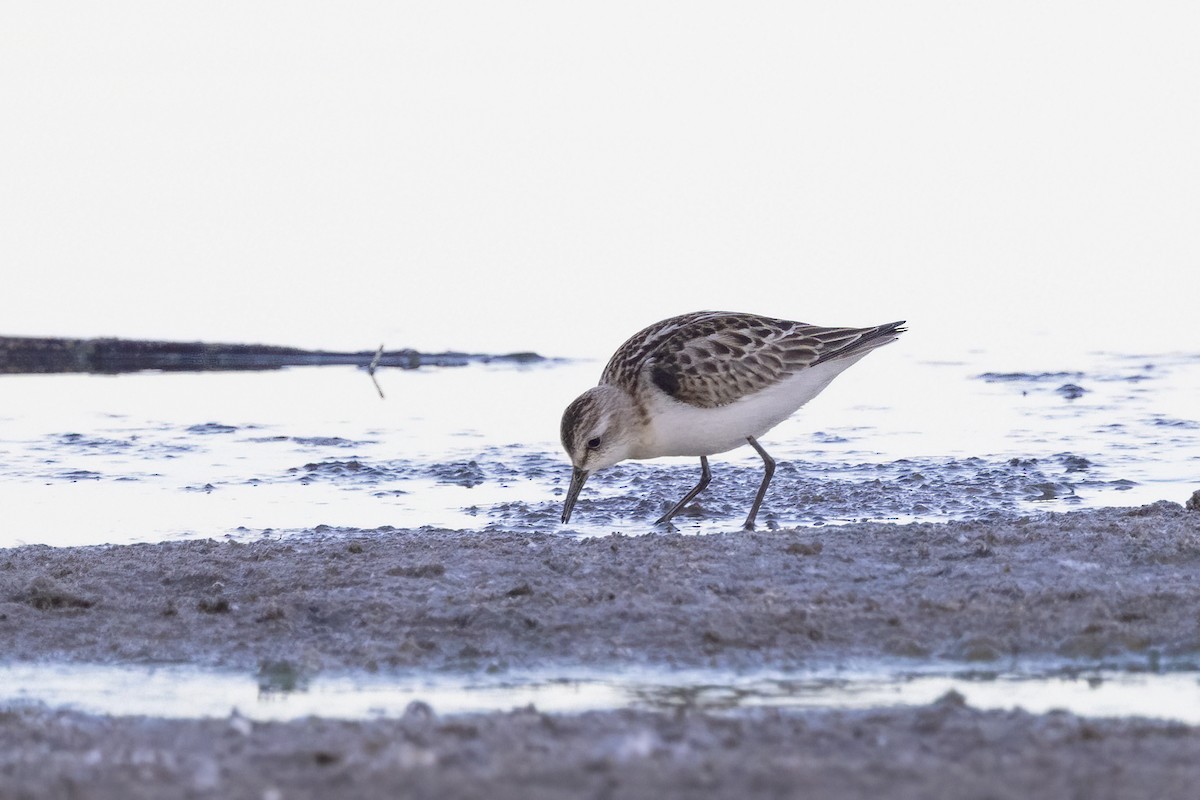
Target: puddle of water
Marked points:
186	692
149	457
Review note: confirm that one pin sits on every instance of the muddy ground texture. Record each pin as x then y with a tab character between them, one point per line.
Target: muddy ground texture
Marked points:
1112	585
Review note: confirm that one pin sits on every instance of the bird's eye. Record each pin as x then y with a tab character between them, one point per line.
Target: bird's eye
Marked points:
594	443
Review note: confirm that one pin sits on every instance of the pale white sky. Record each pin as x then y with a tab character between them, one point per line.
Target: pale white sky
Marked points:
552	176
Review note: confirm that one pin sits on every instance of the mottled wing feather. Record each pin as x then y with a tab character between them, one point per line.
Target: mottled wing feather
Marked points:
711	359
716	367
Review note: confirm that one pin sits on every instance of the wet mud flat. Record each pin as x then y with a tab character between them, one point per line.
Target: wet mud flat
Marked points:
1111	586
943	750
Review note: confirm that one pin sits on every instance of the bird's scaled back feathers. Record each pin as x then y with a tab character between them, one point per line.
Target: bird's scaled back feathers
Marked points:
713	358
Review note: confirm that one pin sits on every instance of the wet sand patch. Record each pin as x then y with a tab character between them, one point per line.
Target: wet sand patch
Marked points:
943	750
1109	585
1087	585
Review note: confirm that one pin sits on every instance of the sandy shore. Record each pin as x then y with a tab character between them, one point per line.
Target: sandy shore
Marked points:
1112	584
945	750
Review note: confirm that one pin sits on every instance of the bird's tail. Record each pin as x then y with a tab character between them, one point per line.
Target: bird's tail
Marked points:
846	342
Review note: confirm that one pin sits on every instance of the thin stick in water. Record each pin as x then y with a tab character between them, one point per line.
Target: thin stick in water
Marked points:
371	370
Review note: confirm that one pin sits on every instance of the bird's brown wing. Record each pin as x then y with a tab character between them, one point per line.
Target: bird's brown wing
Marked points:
711	359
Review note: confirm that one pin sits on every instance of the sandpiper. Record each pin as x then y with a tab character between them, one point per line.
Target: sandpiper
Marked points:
705	383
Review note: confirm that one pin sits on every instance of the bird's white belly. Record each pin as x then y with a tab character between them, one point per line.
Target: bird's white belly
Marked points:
678	429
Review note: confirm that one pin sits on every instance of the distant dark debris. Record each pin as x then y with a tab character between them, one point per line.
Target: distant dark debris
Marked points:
209	428
1071	391
1030	377
20	354
1165	422
1074	463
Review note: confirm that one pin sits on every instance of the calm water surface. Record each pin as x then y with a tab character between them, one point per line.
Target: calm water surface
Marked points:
176	691
88	459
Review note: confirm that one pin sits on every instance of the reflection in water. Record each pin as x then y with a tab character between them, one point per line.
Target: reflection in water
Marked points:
280	693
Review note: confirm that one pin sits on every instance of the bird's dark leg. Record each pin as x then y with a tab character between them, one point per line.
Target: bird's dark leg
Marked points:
705	477
768	471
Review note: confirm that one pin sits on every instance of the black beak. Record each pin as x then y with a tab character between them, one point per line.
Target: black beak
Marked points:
578	476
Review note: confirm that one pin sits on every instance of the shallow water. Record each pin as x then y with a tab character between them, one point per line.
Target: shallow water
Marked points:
183	692
155	456
151	457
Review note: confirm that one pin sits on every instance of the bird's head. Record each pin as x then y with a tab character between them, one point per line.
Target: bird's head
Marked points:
597	431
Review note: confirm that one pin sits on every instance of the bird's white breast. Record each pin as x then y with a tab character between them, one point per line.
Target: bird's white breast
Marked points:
678	429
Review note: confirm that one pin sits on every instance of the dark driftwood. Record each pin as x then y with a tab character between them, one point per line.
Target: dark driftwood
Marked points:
20	354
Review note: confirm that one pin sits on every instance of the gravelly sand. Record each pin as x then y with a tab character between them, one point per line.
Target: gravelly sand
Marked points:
1108	584
945	750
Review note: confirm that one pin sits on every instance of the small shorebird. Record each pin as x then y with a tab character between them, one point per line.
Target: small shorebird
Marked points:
705	383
